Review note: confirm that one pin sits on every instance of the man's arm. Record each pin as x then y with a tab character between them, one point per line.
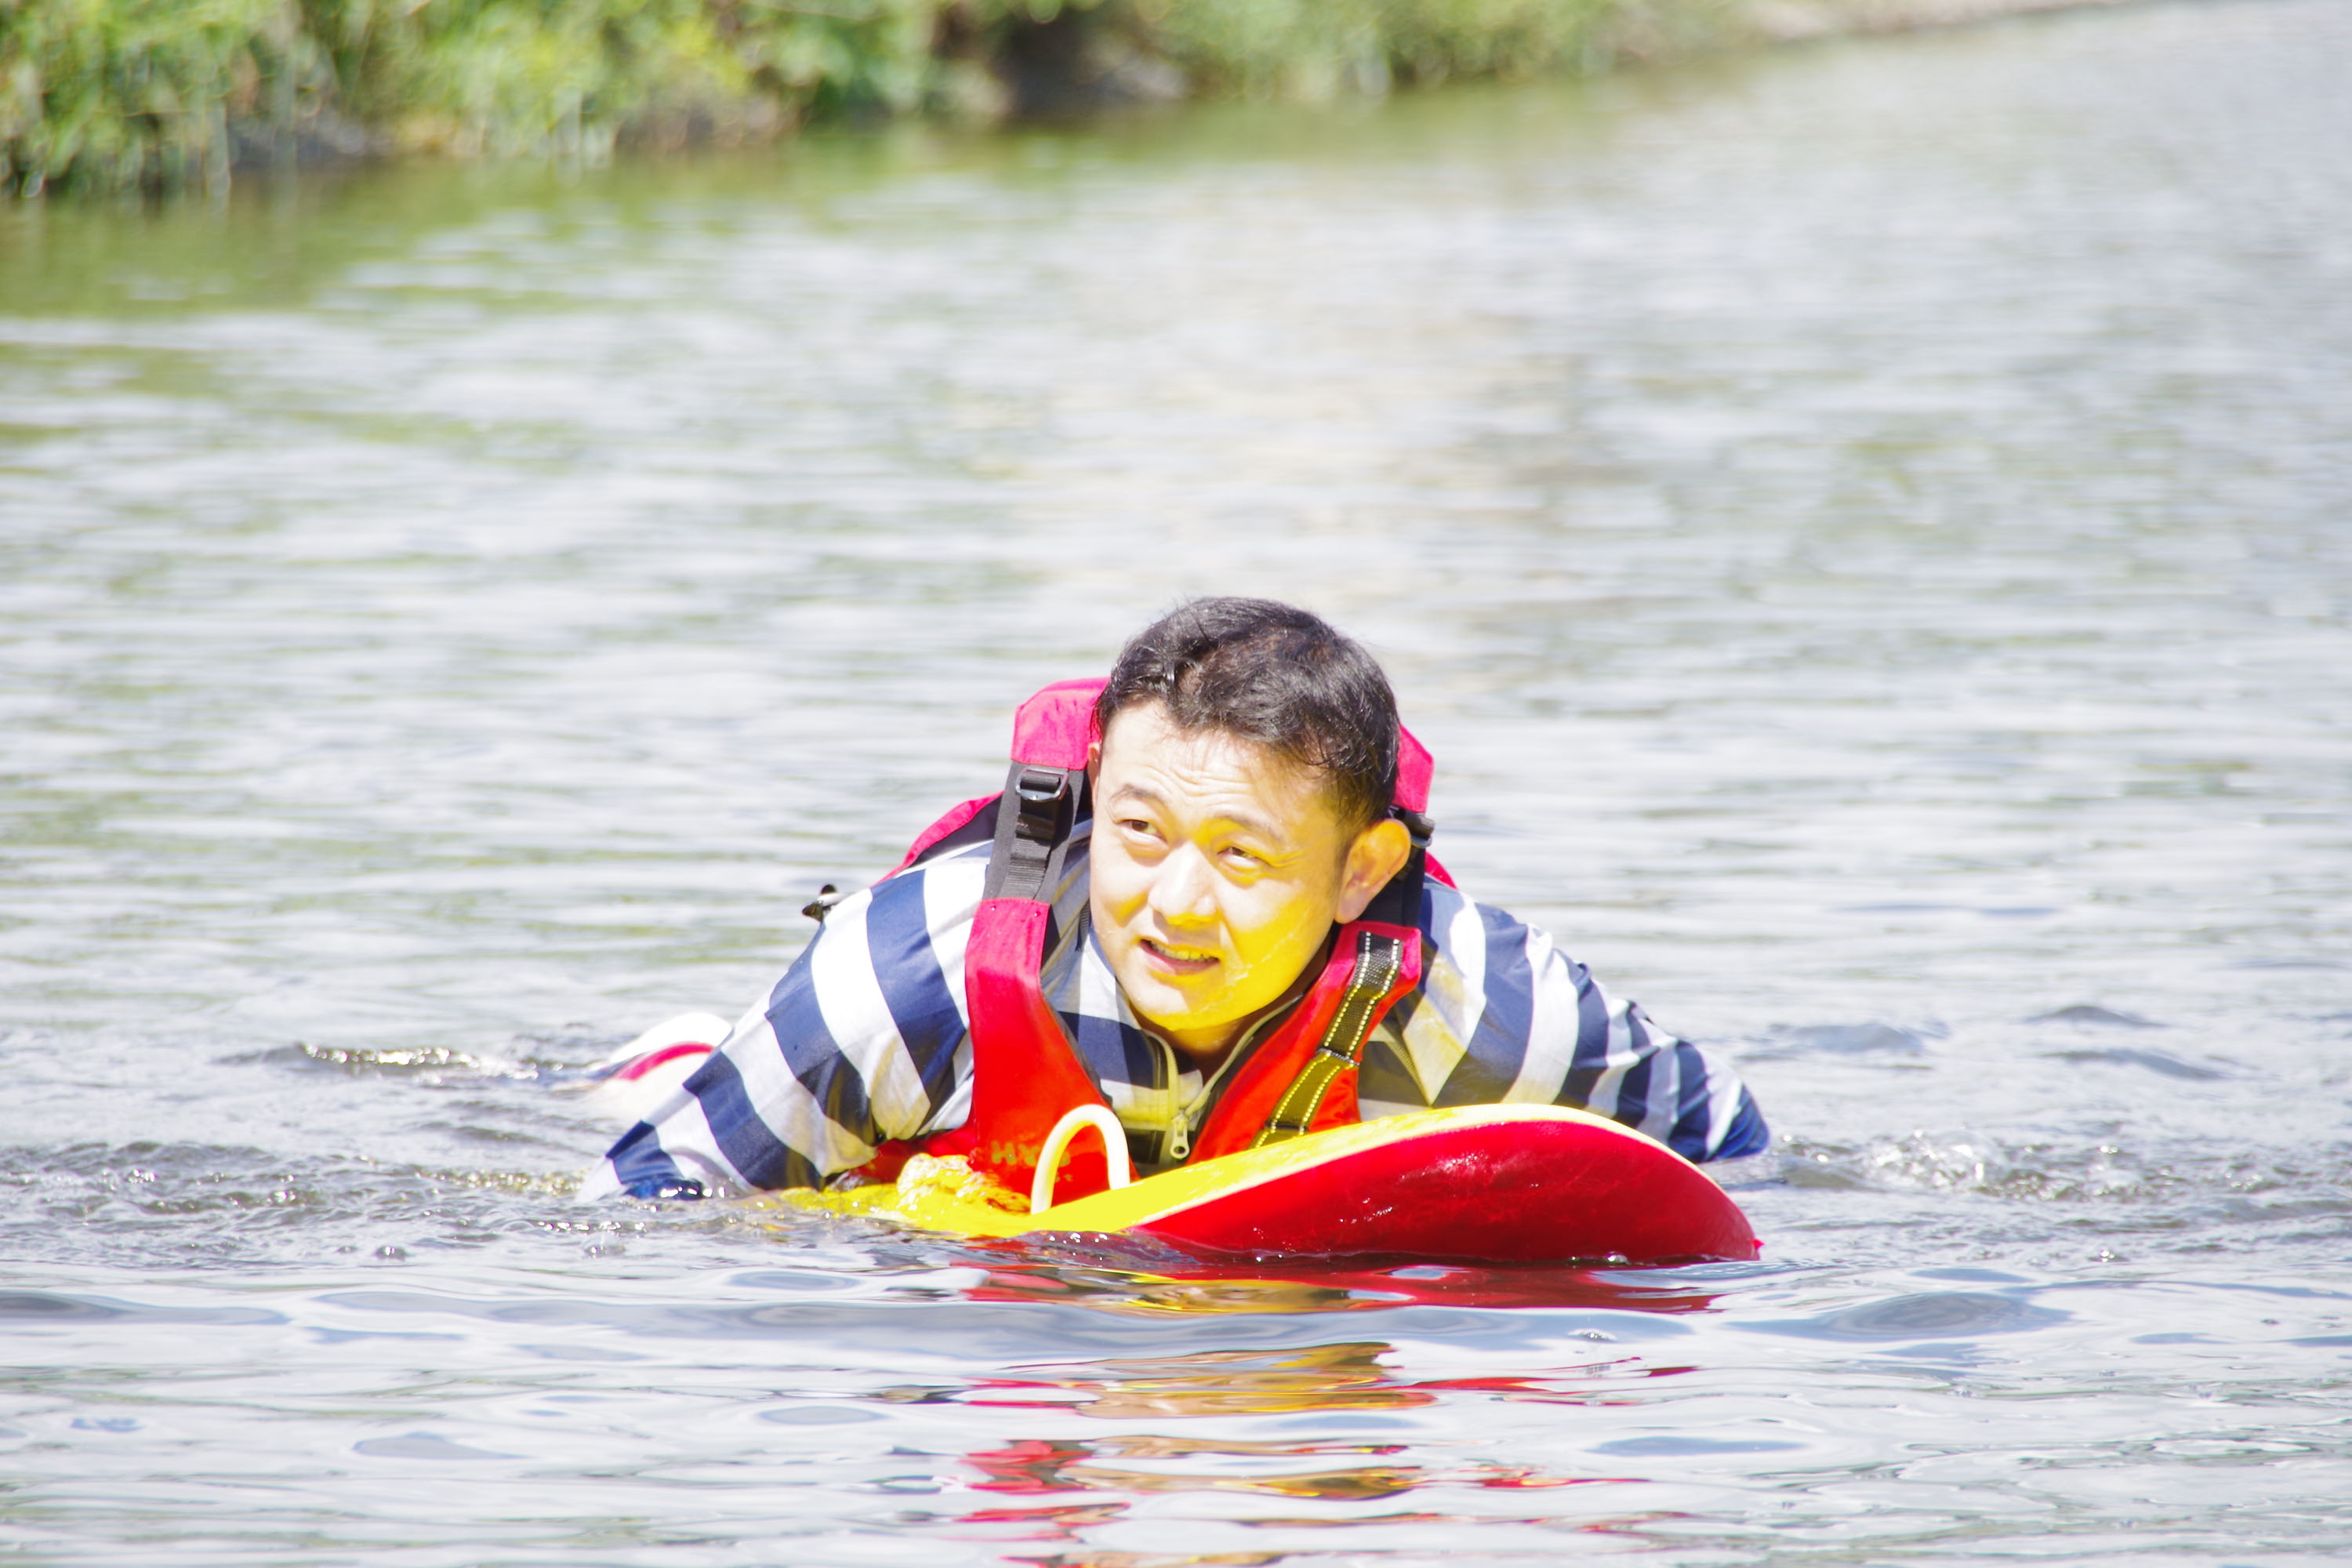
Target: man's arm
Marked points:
1625	1068
862	1040
1503	1017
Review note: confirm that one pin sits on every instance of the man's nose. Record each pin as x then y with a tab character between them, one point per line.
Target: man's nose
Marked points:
1182	891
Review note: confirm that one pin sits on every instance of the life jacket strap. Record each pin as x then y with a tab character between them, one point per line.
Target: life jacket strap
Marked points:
1025	1074
1037	810
1372	984
1380	957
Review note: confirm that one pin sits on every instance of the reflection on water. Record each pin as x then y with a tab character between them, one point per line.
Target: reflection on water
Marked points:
1039	1466
1324	1377
1215	1383
1863	529
1160	1285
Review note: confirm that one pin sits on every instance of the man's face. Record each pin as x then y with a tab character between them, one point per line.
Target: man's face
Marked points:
1218	869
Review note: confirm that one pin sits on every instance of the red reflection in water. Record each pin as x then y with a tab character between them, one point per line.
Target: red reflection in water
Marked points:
1037	1466
1106	1474
1155	1560
1054	1523
1187	1285
1209	1383
1029	1465
1346	1376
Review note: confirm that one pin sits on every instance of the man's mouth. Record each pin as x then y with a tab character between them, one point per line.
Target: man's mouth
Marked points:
1174	958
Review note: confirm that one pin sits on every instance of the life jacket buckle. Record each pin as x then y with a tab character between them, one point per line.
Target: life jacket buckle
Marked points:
1041	794
1042	785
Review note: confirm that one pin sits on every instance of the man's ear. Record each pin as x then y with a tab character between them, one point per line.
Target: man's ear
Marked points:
1378	854
1094	763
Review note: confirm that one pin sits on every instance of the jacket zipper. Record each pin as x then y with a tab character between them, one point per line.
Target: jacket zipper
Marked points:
1178	1145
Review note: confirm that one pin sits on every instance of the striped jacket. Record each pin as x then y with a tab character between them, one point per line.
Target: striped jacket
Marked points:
866	1039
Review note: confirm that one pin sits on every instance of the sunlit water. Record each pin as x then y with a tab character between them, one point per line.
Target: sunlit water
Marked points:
1867	531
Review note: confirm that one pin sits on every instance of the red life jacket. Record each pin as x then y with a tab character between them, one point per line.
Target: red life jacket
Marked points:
1025	1074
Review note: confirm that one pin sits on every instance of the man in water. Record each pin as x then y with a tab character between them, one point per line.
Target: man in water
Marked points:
1242	788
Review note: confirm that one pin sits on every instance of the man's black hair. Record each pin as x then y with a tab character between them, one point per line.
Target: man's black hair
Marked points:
1274	674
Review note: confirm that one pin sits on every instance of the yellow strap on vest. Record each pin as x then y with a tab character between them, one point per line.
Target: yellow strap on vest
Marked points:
1377	959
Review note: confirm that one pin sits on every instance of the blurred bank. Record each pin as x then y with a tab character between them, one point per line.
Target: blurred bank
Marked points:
163	95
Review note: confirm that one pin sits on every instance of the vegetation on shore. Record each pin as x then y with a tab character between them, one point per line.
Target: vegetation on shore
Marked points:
115	95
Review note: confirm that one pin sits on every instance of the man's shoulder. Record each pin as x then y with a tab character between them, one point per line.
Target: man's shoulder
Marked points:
945	886
917	917
885	971
1454	922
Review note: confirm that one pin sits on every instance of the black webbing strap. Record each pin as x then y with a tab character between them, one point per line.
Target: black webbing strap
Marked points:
1033	819
1399	903
1377	959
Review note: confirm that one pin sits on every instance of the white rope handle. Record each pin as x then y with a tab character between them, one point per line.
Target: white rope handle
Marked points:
1049	1158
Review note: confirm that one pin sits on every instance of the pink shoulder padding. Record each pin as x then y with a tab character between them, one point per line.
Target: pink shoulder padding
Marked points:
1414	766
938	830
1054	727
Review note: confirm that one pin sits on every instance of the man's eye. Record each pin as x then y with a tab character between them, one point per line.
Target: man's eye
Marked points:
1242	857
1136	825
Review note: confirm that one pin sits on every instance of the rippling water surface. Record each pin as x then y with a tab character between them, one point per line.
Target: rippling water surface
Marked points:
1865	529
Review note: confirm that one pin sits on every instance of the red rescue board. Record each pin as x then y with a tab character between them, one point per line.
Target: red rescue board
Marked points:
1474	1185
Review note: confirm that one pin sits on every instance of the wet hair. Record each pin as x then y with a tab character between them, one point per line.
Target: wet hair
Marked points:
1276	675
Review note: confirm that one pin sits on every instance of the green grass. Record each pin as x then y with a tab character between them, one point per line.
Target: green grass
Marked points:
113	95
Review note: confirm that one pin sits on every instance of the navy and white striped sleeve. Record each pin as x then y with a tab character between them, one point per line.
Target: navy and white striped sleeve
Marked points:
864	1039
1503	1016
